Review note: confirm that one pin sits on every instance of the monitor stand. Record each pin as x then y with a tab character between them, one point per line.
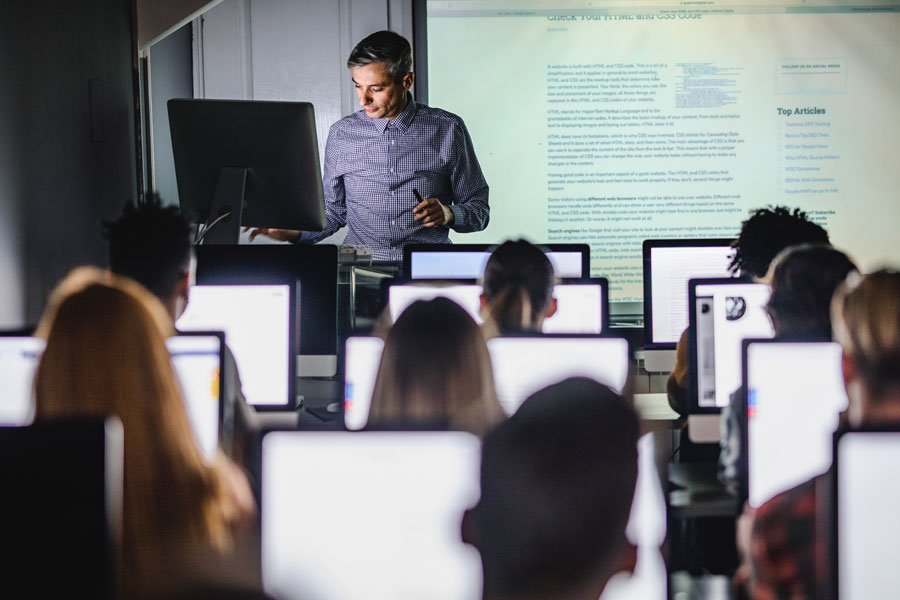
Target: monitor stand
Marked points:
227	208
704	429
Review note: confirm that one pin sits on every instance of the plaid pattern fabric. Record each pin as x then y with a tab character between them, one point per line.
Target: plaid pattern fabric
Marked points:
788	551
373	165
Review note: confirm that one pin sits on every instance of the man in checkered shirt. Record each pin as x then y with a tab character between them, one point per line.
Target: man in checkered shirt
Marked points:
378	159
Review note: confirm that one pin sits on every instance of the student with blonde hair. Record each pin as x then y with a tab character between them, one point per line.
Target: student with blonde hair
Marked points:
105	355
435	372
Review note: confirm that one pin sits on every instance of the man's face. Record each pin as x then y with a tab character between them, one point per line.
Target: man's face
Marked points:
379	95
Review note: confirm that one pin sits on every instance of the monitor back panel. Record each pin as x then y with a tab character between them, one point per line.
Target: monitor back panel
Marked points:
723	312
668	266
795	394
524	365
866	522
369	515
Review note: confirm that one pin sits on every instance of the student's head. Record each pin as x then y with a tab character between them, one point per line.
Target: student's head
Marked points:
105	355
517	289
804	279
381	65
152	244
866	319
557	483
435	372
767	232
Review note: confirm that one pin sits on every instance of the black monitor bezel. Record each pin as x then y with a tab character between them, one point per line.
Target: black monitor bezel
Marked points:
646	251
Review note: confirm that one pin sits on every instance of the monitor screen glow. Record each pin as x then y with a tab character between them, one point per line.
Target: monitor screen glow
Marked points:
671	269
256	322
19	358
525	365
362	359
795	394
579	306
369	515
197	362
868	522
470	265
726	315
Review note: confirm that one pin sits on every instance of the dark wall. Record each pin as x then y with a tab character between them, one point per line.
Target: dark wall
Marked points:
171	76
67	141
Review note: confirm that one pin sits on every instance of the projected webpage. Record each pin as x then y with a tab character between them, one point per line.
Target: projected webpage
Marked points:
470	265
727	314
369	515
610	122
256	322
522	366
868	492
795	393
579	306
19	358
196	360
671	269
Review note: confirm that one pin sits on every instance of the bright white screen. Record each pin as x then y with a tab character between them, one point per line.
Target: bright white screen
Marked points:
738	313
646	530
19	358
639	119
523	366
868	519
470	265
256	322
670	270
795	394
369	515
196	362
579	307
363	357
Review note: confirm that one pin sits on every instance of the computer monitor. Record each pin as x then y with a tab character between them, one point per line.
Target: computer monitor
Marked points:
362	359
581	304
257	161
368	515
723	313
467	261
794	393
646	530
865	521
256	321
198	361
524	365
19	357
668	266
310	270
62	507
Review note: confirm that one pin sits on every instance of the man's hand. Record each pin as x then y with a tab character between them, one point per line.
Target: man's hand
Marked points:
432	213
282	235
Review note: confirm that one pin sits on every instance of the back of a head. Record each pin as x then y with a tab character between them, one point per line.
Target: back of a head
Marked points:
866	319
105	355
557	483
518	286
435	371
767	232
804	279
151	244
386	47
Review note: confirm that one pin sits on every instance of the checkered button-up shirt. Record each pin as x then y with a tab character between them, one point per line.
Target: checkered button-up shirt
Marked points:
373	165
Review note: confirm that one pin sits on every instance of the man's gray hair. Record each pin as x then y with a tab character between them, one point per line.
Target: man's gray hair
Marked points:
384	47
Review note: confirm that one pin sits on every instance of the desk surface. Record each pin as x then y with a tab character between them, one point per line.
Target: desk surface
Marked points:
654	407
